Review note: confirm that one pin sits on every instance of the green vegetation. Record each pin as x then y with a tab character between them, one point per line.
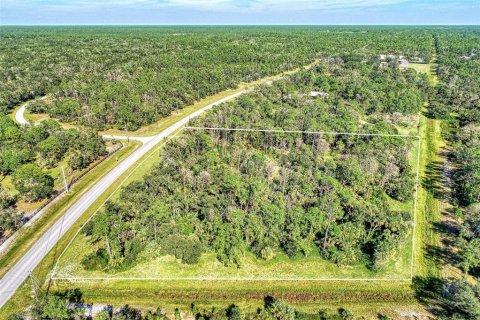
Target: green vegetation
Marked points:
70	305
27	236
250	205
32	182
29	159
456	101
125	78
304	183
451	180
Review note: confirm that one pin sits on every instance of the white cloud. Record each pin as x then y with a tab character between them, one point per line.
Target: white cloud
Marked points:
275	5
210	5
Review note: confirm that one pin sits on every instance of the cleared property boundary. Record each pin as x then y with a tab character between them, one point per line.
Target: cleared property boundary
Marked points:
415	205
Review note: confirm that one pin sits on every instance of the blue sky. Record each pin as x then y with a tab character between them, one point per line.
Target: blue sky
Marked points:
34	12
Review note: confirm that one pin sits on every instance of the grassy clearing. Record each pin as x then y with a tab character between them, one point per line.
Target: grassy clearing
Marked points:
311	267
29	235
420	67
429	69
428	206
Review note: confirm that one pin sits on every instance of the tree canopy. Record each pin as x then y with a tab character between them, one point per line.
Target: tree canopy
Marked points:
233	192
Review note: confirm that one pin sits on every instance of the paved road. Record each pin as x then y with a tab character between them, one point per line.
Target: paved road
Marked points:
20	118
19	114
20	271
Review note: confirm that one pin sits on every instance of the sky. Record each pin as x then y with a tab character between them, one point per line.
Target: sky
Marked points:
244	12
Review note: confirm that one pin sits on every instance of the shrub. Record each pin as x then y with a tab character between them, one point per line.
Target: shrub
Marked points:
32	182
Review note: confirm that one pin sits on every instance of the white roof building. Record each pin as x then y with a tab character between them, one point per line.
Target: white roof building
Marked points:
315	94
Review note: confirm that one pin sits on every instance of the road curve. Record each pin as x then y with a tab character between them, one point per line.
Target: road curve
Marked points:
20	118
20	271
19	115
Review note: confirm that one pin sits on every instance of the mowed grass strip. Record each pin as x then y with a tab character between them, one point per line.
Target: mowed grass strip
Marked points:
428	206
363	298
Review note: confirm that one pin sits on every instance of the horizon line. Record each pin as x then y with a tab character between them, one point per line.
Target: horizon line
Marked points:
239	24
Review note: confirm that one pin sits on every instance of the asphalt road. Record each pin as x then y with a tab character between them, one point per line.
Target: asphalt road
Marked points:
20	271
20	118
19	114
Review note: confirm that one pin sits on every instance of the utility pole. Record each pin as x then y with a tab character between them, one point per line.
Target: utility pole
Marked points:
65	180
35	287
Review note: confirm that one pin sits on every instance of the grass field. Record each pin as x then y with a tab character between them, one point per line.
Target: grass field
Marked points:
428	69
429	207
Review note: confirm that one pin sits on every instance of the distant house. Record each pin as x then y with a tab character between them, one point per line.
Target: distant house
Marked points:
386	56
316	94
403	62
465	57
417	60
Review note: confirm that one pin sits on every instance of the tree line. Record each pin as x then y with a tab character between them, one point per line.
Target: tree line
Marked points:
457	101
70	305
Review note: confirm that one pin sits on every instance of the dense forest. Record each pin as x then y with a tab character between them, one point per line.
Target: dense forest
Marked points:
27	152
234	192
457	100
129	77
